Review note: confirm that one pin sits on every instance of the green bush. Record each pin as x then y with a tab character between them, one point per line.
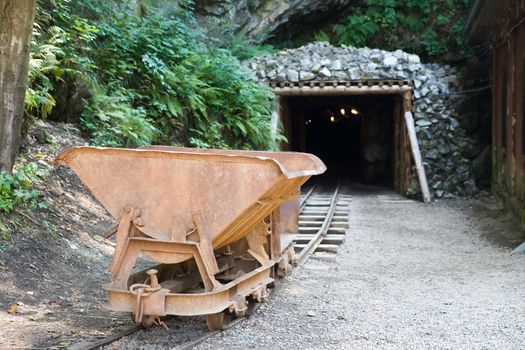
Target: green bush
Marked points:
44	67
191	91
57	42
155	77
226	36
113	122
17	188
430	28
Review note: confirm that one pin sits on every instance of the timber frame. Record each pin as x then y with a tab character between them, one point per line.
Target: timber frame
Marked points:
403	88
502	25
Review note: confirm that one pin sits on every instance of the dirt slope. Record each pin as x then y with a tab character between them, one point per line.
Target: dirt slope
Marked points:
52	261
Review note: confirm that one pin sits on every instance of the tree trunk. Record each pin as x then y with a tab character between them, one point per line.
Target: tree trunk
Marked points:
16	27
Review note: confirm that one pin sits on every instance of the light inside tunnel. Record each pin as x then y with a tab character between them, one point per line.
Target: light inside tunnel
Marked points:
354	135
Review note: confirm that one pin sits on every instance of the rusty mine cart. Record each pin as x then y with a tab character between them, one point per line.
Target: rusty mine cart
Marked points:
207	222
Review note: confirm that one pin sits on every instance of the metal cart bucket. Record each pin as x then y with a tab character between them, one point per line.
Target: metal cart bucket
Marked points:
204	215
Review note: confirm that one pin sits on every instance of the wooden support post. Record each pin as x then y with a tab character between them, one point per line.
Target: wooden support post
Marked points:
409	119
276	116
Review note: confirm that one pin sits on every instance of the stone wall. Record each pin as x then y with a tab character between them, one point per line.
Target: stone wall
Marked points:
444	144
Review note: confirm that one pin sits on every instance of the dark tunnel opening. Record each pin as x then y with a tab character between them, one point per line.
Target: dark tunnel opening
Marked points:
354	135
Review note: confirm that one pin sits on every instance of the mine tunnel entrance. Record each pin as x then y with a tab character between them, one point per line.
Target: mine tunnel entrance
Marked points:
360	137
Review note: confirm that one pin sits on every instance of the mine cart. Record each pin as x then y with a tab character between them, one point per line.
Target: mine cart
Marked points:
205	223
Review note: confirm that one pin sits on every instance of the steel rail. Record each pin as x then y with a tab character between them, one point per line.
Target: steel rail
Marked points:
305	253
108	340
308	250
306	196
192	343
303	256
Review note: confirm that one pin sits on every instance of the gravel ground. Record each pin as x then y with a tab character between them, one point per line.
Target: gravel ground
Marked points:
410	276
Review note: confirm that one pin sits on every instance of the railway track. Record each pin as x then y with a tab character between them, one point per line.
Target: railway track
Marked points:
323	221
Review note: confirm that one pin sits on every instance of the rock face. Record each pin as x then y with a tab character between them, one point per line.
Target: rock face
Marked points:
283	18
445	146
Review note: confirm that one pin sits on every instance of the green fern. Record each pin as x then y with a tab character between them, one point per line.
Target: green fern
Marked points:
115	123
153	78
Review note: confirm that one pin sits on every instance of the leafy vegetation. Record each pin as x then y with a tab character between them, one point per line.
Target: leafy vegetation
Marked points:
114	122
152	76
430	28
17	188
227	36
144	73
44	68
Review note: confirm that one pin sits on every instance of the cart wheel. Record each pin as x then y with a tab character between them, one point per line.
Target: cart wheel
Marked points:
251	307
215	322
147	321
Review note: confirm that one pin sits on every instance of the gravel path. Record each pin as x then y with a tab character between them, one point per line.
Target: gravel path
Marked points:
410	276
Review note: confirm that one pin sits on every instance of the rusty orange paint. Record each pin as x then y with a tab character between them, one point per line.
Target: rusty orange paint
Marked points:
177	205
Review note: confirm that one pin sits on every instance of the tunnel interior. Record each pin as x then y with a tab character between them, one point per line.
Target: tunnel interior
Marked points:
355	135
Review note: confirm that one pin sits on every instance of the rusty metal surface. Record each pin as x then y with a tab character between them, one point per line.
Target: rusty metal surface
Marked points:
293	164
189	304
211	218
289	214
170	185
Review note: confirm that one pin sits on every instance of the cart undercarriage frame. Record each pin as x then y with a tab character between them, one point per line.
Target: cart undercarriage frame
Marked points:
208	220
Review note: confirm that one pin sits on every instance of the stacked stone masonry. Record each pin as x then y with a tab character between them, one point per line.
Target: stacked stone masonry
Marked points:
445	146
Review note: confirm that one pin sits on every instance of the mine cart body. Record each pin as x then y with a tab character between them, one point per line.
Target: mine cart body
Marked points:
208	220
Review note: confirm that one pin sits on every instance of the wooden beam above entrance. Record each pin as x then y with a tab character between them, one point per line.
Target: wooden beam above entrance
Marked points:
319	88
